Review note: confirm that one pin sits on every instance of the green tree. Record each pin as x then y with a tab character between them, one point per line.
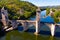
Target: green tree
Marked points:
27	14
57	15
47	11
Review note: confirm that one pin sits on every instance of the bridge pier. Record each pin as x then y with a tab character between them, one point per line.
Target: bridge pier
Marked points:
37	28
14	25
52	28
37	21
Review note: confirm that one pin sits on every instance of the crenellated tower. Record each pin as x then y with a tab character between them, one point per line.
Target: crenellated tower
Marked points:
4	14
37	20
38	14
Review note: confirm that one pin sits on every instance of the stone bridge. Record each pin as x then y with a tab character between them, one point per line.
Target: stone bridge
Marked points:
25	23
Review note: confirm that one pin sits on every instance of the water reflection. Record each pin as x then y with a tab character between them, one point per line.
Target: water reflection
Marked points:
51	38
16	35
36	37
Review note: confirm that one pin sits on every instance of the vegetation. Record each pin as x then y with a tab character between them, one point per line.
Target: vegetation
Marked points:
47	11
15	6
56	15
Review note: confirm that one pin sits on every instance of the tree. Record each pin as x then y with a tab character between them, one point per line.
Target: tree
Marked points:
27	14
57	16
47	11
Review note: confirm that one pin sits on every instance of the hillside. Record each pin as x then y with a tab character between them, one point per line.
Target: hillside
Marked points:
45	7
18	9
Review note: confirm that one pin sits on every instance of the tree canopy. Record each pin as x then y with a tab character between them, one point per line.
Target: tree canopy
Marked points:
14	7
47	11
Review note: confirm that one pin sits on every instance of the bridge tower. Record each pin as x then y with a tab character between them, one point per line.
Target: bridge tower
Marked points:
37	20
4	14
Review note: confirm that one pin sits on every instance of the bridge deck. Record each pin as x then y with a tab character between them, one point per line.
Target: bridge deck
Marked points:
25	21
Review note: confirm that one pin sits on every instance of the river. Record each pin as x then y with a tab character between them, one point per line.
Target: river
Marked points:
20	35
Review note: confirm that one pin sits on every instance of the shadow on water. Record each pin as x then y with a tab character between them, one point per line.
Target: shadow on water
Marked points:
28	35
43	32
2	33
57	31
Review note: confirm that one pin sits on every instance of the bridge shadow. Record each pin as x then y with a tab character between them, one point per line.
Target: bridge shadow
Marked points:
57	31
43	32
33	30
2	33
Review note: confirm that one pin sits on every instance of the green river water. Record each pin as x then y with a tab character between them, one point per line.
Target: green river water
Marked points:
16	35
